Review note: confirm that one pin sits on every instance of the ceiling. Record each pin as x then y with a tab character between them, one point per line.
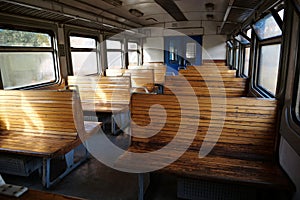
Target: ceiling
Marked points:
115	15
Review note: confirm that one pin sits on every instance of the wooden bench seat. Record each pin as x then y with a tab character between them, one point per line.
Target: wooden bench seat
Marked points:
214	71
207	82
42	124
104	97
208	86
245	144
142	80
210	65
102	94
159	72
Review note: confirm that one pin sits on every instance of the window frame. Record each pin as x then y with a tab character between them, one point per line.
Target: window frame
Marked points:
277	19
121	50
85	50
296	93
86	33
296	86
229	53
244	47
131	50
17	24
236	56
263	91
265	42
290	125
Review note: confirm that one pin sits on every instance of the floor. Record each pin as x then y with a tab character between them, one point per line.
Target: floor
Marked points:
93	180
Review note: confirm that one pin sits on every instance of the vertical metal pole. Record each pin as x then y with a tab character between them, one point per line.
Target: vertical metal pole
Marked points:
113	125
46	172
141	186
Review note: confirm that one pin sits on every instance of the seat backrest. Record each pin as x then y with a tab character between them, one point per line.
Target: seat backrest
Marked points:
141	78
159	71
248	131
102	89
206	87
48	113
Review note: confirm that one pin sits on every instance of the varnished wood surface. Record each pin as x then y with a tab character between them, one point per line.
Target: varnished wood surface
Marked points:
41	123
210	86
206	81
210	64
159	71
39	195
104	107
102	94
244	152
139	77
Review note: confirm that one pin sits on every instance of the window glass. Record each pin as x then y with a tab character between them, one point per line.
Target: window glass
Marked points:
31	62
132	46
242	39
114	54
82	42
133	56
26	68
237	52
281	13
24	39
173	52
268	67
267	28
84	63
84	55
231	57
246	62
249	33
113	44
114	60
190	50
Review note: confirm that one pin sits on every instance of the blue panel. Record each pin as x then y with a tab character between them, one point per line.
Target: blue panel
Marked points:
176	52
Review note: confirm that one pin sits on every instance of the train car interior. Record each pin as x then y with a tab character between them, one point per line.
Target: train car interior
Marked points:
150	99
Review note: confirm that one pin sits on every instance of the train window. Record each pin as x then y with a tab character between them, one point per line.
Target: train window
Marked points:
268	67
249	33
267	28
281	13
173	55
84	55
190	50
133	54
26	58
237	56
114	54
245	70
229	53
242	39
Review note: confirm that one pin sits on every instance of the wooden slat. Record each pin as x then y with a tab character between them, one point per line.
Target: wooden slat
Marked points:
205	85
139	77
41	123
244	152
159	71
102	94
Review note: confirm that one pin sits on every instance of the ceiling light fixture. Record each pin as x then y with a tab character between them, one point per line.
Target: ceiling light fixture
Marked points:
116	3
210	6
136	12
